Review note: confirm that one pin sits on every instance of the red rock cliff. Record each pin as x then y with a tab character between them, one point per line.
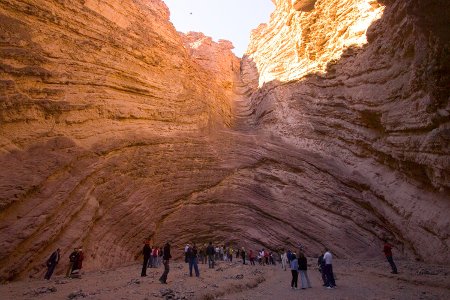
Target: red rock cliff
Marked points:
115	128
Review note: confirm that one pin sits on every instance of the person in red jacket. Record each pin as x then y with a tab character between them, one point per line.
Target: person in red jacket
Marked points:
387	249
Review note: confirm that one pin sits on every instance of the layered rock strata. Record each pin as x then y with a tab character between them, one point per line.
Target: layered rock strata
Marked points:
115	128
373	103
104	121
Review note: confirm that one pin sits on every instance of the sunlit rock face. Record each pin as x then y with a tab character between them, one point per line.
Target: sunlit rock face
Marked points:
296	42
103	125
373	103
216	57
115	128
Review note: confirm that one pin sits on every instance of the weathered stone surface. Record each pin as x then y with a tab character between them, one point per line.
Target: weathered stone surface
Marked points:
373	109
115	128
104	120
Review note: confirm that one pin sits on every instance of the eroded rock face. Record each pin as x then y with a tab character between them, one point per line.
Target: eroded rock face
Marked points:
115	128
104	120
374	109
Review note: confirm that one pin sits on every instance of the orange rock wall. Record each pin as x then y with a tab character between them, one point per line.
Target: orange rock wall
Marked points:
115	128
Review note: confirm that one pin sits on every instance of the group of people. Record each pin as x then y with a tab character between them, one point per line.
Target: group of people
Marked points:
210	254
75	263
154	255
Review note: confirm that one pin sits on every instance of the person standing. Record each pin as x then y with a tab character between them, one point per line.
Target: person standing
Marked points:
186	257
303	270
251	257
166	257
210	252
72	260
243	255
387	249
284	260
321	266
192	256
294	271
146	251
328	257
51	264
154	263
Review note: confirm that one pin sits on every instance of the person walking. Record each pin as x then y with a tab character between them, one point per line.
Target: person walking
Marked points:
243	254
72	260
193	260
166	257
387	249
51	264
210	252
146	251
303	271
294	271
328	257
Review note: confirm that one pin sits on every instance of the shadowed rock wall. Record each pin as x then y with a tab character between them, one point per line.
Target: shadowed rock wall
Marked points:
377	114
115	128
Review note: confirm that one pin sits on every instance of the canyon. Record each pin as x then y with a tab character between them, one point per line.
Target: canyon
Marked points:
332	131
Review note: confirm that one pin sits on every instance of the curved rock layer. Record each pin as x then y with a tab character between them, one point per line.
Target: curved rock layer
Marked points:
377	114
115	128
104	124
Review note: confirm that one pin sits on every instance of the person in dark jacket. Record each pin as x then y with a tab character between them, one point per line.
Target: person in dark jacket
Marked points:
72	261
210	252
51	264
321	266
303	270
243	254
146	251
166	257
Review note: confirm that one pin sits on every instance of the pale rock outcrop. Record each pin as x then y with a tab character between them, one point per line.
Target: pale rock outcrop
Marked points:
215	57
296	43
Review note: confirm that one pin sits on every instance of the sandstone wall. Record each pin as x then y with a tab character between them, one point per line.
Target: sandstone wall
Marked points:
115	128
103	122
373	103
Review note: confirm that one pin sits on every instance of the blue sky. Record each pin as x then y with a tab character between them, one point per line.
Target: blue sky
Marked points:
221	19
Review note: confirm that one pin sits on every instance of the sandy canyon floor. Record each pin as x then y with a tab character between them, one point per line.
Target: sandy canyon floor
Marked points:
355	280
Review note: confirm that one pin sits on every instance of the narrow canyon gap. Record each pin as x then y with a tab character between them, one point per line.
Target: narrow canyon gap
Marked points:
332	130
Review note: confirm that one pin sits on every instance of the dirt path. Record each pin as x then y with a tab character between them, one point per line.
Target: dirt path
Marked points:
355	280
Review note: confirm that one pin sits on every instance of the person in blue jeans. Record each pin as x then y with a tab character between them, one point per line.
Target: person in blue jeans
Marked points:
193	260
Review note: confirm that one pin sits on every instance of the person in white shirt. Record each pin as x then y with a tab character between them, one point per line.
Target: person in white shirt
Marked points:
284	260
328	270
